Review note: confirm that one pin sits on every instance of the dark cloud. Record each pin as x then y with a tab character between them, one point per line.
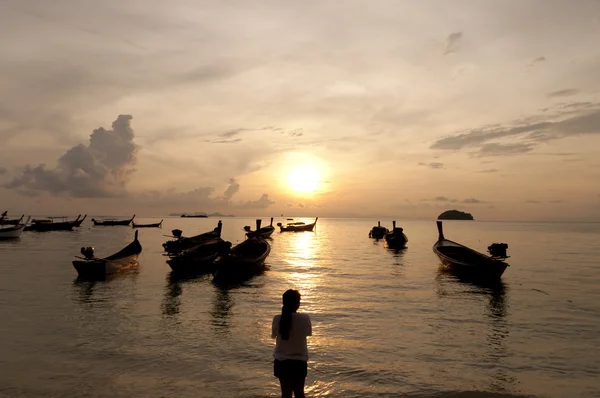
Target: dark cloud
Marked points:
262	203
225	141
101	169
488	171
433	165
528	133
300	205
232	133
231	190
539	59
473	201
563	93
453	42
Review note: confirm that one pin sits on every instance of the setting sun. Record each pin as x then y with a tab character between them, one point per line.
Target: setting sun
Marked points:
304	178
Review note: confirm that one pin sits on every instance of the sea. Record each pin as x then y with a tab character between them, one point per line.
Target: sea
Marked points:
385	323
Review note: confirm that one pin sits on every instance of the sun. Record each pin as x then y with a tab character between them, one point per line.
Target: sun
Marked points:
304	178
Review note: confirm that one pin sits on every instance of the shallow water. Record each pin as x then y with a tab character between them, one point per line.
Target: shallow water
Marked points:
385	323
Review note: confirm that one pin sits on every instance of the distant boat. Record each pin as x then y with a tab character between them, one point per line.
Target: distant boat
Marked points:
200	258
396	239
13	231
4	220
48	224
264	232
297	226
112	222
378	232
242	261
90	266
195	215
155	225
181	243
468	262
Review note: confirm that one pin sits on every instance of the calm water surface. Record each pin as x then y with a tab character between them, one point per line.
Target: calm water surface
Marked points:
385	323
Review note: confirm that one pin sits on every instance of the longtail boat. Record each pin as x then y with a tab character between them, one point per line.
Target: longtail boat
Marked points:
378	232
181	242
155	225
396	238
91	266
13	231
48	224
297	226
468	262
264	232
112	222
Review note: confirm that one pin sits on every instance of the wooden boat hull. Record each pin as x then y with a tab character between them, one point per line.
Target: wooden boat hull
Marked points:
466	262
54	226
242	262
183	243
378	232
396	240
264	232
199	259
113	223
156	225
297	228
11	232
100	267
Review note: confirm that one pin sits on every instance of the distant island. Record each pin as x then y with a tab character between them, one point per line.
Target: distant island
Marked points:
200	214
455	215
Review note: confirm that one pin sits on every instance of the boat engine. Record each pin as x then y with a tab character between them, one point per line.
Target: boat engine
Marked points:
279	224
88	252
247	228
498	250
177	233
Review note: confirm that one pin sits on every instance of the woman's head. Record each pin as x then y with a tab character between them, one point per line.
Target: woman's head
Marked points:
291	299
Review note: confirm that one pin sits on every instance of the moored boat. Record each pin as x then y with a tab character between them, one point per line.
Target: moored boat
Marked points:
378	232
467	262
78	222
242	261
297	226
155	225
264	232
396	238
181	243
91	266
48	224
13	231
4	220
112	222
200	258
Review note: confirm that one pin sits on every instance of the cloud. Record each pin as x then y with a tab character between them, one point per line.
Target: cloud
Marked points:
532	201
528	133
225	141
296	133
262	203
563	93
452	42
3	171
488	171
300	205
433	165
473	201
101	169
231	190
539	59
232	133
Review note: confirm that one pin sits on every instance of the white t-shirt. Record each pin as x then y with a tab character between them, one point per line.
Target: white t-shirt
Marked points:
295	346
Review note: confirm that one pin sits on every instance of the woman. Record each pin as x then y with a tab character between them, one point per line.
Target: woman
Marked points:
291	353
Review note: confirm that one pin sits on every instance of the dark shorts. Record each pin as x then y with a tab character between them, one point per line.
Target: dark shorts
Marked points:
290	369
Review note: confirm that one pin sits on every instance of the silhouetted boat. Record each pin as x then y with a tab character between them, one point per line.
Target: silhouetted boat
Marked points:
200	258
90	266
181	243
297	226
4	220
13	231
48	224
242	261
78	223
468	262
264	232
112	223
378	232
155	225
396	238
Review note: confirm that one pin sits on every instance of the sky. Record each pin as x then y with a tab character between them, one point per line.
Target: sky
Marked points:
324	108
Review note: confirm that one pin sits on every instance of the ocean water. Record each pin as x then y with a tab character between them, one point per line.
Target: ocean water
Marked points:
385	323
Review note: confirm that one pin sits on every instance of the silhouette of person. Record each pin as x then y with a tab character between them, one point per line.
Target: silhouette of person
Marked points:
290	330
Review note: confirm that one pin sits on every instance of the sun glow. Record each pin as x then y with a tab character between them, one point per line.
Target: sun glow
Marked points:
305	178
